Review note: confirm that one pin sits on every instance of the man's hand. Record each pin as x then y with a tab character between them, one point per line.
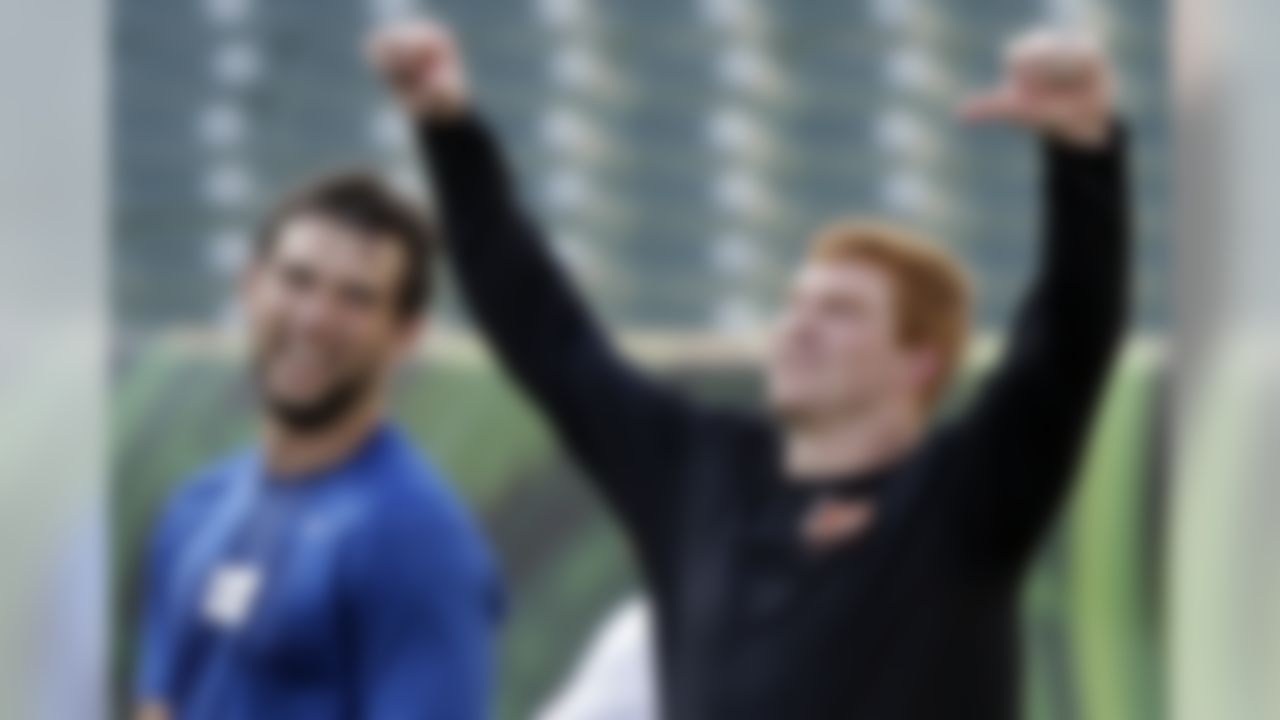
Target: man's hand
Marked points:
1056	83
420	63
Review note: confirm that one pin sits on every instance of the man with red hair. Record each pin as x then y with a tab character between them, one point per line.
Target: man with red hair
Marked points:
842	557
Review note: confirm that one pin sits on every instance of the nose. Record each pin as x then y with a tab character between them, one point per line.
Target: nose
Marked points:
314	310
311	318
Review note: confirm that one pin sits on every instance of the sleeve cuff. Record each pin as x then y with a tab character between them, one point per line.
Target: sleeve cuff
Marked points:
466	124
1113	146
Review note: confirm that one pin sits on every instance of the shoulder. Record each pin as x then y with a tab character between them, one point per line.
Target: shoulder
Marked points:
748	439
410	510
205	487
409	490
189	504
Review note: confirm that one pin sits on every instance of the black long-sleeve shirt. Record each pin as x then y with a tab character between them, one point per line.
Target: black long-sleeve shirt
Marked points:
915	618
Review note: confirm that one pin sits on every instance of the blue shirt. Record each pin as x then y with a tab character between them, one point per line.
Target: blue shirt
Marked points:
363	591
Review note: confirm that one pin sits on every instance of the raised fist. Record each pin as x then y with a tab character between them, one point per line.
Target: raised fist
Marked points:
1055	82
420	63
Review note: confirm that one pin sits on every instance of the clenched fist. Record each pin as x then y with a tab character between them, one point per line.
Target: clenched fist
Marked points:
420	63
1057	83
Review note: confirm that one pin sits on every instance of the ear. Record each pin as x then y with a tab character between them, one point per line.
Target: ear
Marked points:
924	365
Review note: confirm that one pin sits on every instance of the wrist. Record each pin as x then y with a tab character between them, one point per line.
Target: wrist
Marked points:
441	112
1091	134
435	107
1100	144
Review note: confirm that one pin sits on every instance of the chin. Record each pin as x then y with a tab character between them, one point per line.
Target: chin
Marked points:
787	407
310	416
320	409
290	401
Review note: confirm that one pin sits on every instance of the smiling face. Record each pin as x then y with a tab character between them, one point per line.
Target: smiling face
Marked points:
836	347
325	317
325	320
872	318
334	297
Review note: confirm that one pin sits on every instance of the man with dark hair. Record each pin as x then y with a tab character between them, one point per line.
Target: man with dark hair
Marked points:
328	572
843	557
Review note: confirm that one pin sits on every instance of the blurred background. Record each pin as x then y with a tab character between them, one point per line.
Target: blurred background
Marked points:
680	153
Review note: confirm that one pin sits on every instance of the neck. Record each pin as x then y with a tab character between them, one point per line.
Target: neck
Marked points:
831	447
293	453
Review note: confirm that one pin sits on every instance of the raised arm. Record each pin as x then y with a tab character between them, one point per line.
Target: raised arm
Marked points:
627	430
1029	422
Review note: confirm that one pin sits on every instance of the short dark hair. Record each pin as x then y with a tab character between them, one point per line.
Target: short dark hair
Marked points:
363	202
